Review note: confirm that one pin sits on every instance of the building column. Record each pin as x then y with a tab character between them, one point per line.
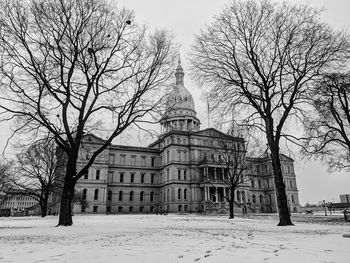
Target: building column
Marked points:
205	194
216	195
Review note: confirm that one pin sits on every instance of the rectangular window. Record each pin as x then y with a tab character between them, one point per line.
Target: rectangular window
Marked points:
131	209
153	161
111	158
84	194
121	177
142	178
86	175
110	176
133	160
95	208
167	156
96	194
108	209
185	175
83	209
132	176
120	209
98	174
143	160
122	159
152	178
179	174
179	156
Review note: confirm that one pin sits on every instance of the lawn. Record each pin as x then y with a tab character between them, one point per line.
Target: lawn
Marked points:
174	238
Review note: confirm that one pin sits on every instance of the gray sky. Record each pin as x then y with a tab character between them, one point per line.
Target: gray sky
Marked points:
185	18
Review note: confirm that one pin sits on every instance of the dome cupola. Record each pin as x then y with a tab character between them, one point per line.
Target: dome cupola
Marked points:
180	111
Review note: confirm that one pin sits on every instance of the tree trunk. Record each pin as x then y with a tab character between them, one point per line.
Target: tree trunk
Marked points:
67	196
43	204
282	204
65	216
43	208
230	203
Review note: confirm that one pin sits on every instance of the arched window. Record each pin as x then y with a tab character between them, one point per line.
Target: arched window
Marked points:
142	196
109	196
261	199
120	195
152	196
254	199
270	199
131	196
253	184
96	194
292	197
179	192
84	194
185	194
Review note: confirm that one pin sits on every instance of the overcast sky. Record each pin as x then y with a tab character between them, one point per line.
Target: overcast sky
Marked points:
185	18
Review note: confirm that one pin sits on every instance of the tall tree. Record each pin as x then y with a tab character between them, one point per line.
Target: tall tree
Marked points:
37	172
328	122
259	58
70	67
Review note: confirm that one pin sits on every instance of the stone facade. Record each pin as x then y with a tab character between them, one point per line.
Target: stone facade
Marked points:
177	172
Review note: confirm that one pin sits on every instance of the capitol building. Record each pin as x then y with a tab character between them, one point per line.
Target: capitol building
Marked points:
179	172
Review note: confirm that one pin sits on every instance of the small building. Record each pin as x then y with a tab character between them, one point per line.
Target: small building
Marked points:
18	203
345	198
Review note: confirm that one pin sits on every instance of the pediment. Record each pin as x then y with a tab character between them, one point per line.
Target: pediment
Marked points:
213	133
91	138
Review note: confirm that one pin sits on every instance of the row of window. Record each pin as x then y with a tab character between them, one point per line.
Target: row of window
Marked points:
120	209
12	204
182	194
97	175
132	160
132	178
131	196
182	156
120	195
286	168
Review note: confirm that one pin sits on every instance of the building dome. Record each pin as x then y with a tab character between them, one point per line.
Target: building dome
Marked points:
180	100
180	113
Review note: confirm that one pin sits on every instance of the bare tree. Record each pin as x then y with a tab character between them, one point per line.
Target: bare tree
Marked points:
259	58
70	67
5	177
37	172
328	122
232	156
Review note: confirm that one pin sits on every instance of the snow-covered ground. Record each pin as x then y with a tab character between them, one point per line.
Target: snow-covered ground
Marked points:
171	238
